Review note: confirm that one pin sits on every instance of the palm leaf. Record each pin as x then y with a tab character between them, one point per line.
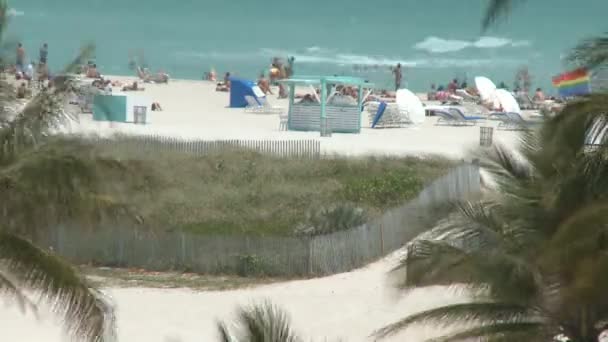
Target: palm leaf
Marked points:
84	310
224	333
591	52
485	312
497	10
9	289
42	115
587	223
261	323
516	331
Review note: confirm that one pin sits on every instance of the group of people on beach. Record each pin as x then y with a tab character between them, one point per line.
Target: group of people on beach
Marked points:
278	71
28	71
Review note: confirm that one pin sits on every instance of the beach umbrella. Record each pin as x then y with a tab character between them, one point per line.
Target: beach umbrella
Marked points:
506	101
486	88
409	103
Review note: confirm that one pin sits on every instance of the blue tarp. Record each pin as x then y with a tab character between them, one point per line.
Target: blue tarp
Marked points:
239	88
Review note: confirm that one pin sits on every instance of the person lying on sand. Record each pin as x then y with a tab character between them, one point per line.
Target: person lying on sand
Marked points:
156	107
160	77
133	87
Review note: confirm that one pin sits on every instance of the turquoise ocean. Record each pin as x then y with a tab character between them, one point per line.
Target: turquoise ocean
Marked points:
435	40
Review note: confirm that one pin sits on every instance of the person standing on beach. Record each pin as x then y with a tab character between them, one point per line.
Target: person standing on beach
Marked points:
398	76
44	53
20	58
290	70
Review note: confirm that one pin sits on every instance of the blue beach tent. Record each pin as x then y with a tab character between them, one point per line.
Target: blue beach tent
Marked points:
239	88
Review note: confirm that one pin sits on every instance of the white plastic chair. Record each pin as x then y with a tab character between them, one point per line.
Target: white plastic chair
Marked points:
283	122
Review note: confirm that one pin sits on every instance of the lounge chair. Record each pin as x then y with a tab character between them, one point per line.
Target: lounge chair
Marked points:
515	122
455	117
525	102
283	122
260	106
392	116
466	96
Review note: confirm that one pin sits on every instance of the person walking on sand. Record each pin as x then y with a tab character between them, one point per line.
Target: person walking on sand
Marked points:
20	58
398	76
44	53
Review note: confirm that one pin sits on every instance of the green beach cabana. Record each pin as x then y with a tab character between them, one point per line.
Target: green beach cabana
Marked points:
325	116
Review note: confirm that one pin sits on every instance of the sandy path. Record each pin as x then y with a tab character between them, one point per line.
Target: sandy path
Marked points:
348	306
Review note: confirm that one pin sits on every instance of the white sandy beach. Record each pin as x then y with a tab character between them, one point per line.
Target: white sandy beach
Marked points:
193	109
347	306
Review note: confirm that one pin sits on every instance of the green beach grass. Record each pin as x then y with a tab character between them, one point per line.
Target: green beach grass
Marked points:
236	192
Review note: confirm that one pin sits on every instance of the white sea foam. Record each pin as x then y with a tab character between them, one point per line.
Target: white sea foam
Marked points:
440	45
12	12
313	49
342	59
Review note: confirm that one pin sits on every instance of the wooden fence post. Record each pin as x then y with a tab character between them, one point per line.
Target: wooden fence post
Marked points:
381	238
310	243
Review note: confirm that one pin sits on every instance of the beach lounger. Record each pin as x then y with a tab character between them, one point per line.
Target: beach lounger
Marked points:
525	102
261	107
455	117
392	116
515	122
466	96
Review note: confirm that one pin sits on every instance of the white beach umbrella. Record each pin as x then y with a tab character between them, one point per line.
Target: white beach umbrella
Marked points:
485	87
507	102
409	103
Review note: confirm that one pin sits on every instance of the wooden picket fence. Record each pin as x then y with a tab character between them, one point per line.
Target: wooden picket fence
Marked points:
309	149
340	251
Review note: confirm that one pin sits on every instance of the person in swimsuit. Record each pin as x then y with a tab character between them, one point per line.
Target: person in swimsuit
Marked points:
20	58
44	53
398	73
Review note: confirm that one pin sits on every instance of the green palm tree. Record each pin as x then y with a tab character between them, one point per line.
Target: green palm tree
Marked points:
590	53
47	180
260	323
534	252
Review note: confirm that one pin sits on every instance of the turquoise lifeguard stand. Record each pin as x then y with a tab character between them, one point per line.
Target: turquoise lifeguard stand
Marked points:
323	116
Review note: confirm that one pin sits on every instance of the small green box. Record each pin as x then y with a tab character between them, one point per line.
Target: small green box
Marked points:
110	108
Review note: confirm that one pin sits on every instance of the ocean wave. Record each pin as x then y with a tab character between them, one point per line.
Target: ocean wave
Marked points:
440	45
350	60
313	49
12	12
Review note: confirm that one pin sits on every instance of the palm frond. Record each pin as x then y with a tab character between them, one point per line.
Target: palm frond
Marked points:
515	331
85	313
65	182
591	52
224	333
10	290
484	312
434	263
509	169
588	221
497	10
42	115
261	323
